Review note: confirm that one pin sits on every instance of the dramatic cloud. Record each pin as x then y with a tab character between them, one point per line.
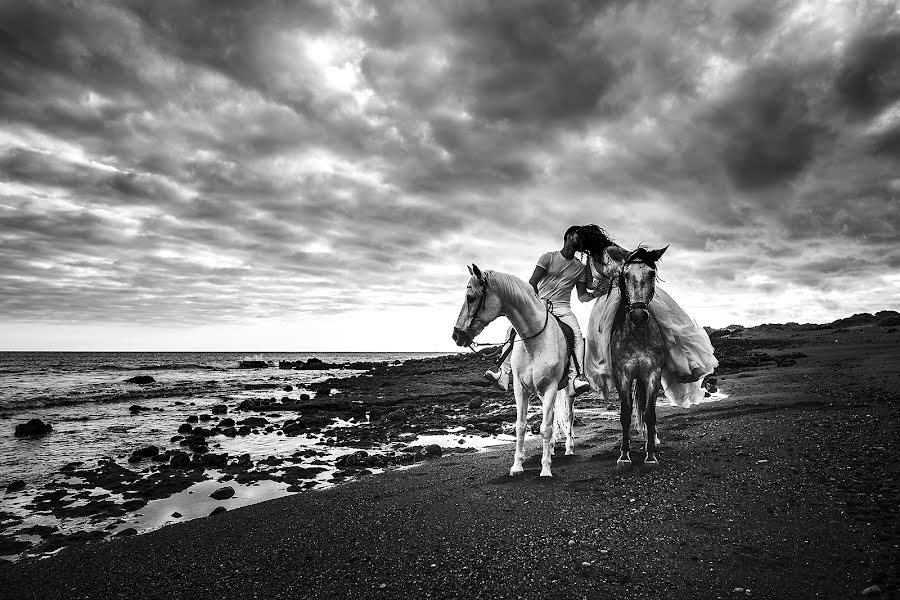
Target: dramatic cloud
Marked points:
316	174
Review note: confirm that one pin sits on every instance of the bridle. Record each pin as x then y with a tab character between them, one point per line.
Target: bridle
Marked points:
480	305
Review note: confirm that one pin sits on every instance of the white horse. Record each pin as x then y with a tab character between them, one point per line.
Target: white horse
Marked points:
538	357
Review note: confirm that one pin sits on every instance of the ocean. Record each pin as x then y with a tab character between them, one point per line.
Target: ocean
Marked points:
85	398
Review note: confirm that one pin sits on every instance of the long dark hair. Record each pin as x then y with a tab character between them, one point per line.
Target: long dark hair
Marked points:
594	239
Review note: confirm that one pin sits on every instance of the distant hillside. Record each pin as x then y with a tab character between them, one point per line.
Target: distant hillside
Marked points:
884	318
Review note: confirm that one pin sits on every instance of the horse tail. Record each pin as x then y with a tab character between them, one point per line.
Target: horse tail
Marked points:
561	414
639	405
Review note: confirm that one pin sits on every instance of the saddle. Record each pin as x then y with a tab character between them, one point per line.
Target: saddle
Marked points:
570	350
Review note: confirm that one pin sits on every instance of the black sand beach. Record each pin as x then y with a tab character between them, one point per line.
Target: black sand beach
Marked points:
787	489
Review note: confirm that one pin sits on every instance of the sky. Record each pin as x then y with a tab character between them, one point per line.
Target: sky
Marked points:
316	175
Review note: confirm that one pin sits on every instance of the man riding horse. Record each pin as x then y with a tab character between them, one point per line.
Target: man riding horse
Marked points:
555	275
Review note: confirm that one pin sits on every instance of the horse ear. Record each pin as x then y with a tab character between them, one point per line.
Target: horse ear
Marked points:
470	269
477	272
655	255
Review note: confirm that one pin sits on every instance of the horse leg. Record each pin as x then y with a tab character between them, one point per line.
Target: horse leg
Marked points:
624	462
570	424
521	418
548	399
650	421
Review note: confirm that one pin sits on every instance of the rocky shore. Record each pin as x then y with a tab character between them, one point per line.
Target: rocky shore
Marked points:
786	489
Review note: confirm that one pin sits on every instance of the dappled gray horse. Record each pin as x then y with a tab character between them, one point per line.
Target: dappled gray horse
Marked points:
637	352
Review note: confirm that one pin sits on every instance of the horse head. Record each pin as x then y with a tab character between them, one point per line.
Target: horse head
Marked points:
637	283
480	307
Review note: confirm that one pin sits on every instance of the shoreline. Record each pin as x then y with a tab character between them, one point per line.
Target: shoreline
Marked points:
766	491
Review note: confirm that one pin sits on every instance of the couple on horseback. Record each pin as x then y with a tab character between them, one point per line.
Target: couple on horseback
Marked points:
689	354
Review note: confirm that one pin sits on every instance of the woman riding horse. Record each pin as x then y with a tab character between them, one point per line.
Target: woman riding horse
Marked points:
689	353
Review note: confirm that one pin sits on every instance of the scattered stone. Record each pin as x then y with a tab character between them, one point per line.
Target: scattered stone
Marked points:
223	493
192	419
253	364
136	408
218	510
872	590
288	388
141	379
180	460
176	515
34	427
475	403
227	422
185	428
219	409
205	417
16	486
397	416
147	451
305	397
127	532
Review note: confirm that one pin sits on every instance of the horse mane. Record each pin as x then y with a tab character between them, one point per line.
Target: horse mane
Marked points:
514	290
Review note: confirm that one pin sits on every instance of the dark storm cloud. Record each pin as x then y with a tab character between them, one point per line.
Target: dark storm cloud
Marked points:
869	75
211	160
766	127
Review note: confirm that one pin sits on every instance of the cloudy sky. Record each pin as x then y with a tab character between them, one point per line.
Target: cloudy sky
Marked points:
315	175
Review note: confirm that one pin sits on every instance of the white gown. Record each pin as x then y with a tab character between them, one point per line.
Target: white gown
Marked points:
687	344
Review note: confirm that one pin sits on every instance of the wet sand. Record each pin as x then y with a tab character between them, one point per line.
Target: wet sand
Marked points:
788	488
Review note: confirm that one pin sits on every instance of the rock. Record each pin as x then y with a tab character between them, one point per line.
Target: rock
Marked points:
16	486
475	403
215	460
253	422
397	416
288	388
185	428
127	532
136	408
205	417
223	493
218	510
141	379
32	428
180	460
147	451
432	450
219	409
192	419
872	590
253	364
177	515
227	422
306	397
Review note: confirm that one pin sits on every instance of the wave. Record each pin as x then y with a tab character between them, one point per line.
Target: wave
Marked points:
148	367
115	395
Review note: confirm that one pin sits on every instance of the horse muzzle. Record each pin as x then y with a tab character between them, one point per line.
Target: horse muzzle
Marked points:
461	337
638	314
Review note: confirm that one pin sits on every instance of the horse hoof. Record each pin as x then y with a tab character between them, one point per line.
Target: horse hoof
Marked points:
515	471
623	465
652	465
570	453
546	473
